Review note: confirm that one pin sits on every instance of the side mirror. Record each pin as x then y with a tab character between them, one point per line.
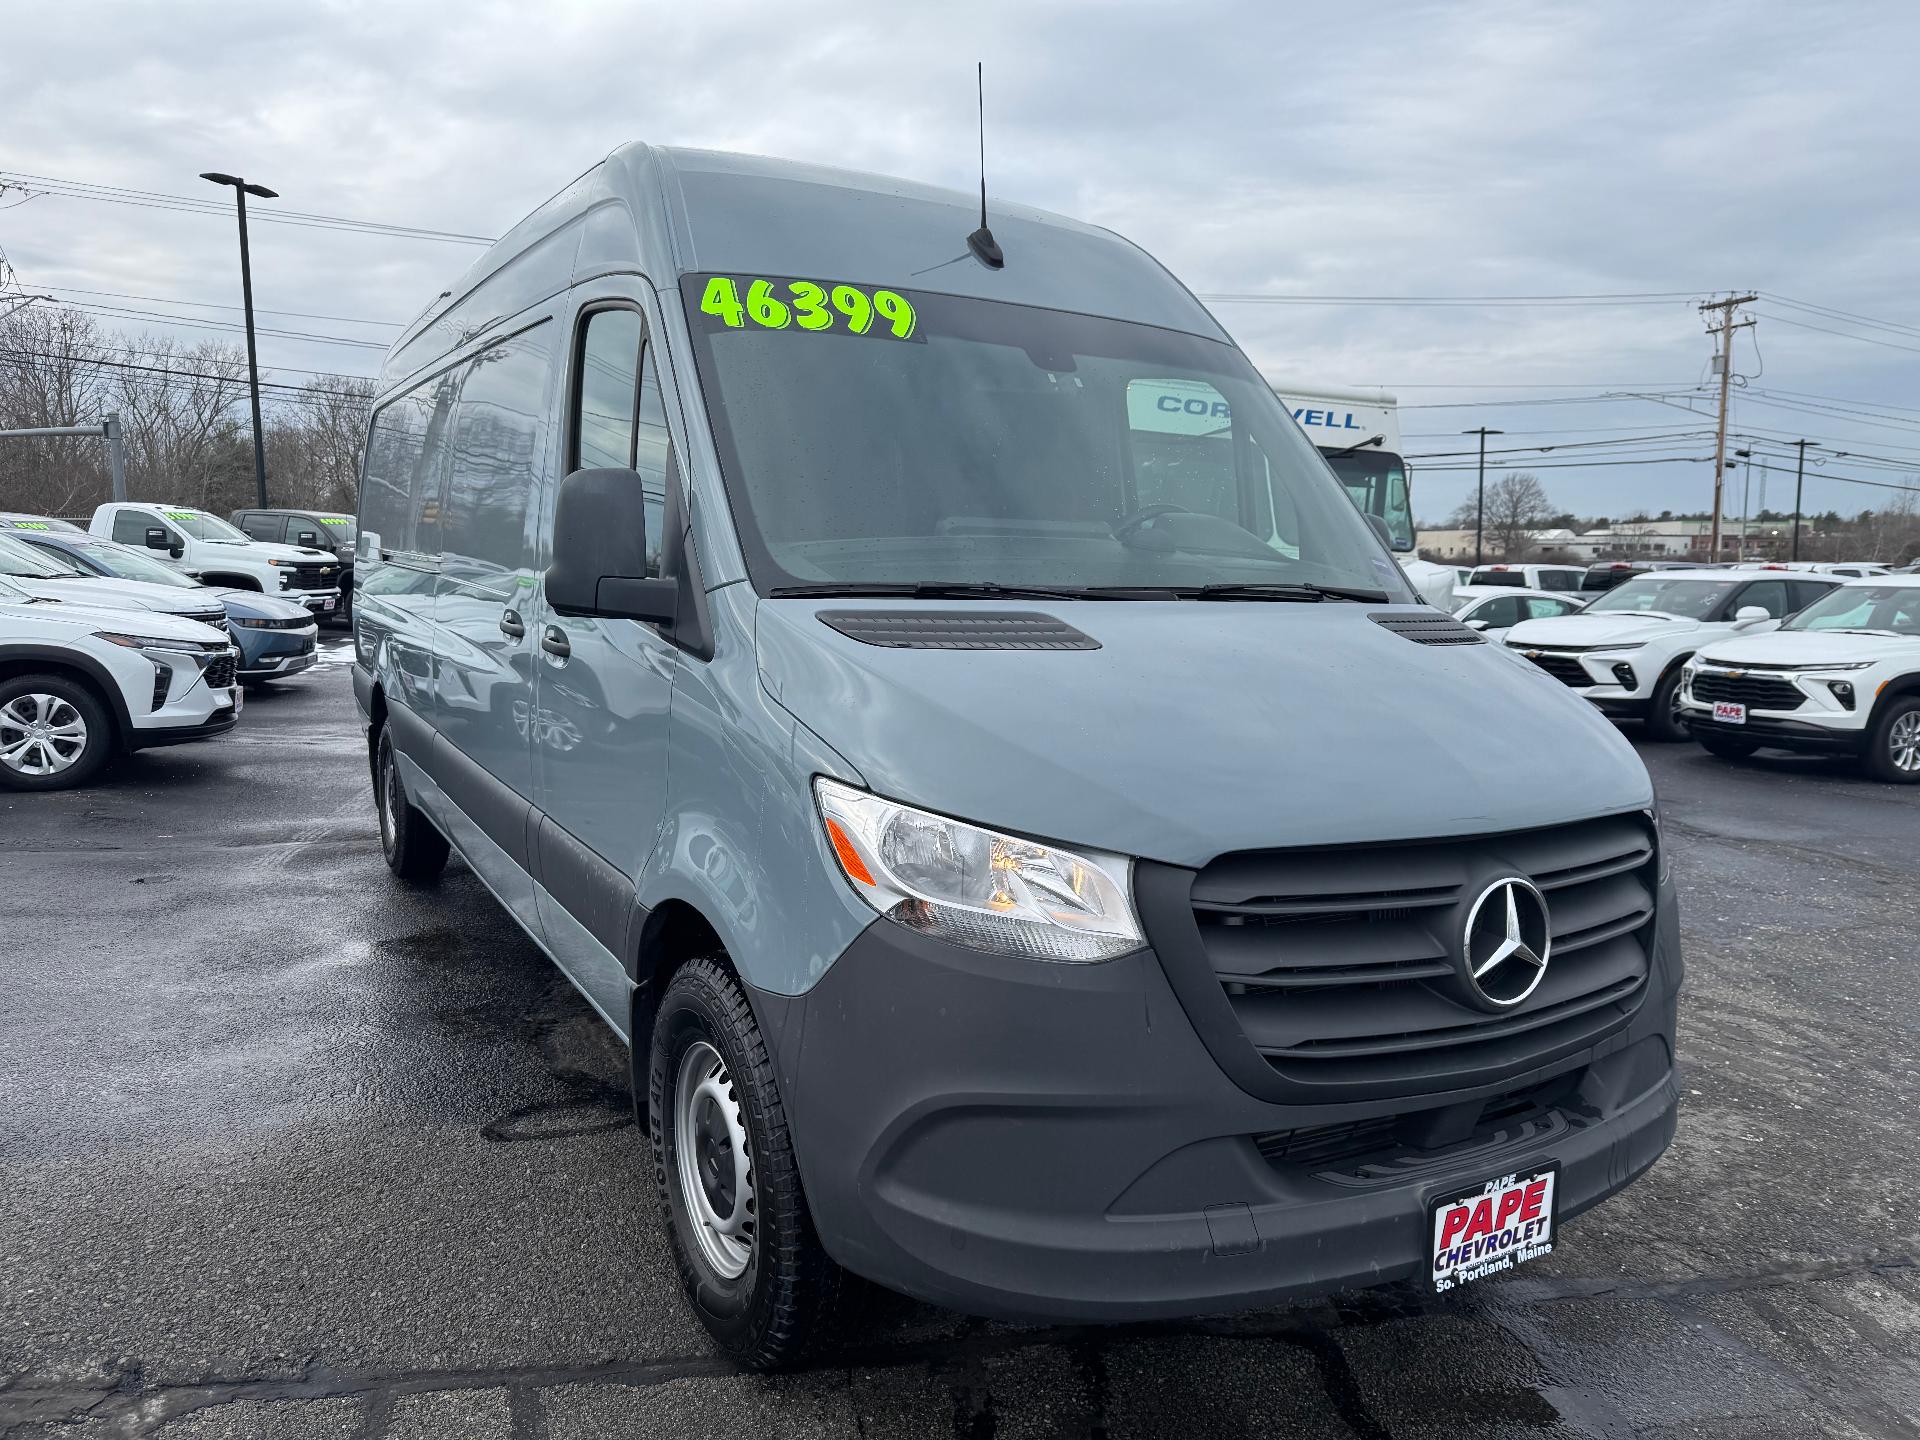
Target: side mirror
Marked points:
178	552
600	551
367	545
1750	615
1476	625
157	538
308	538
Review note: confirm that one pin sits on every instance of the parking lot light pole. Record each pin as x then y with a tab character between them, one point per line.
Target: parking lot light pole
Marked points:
1480	506
241	189
1799	478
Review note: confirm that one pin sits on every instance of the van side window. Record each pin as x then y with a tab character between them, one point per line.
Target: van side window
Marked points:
651	446
619	420
498	440
609	380
406	468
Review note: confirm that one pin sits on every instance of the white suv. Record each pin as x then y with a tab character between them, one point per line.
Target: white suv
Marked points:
81	684
211	550
1531	577
1624	652
1841	677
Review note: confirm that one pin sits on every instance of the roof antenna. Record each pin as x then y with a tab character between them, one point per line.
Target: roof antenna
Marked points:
981	241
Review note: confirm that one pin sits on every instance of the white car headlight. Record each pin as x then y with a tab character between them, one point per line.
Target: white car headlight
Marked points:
977	887
1617	649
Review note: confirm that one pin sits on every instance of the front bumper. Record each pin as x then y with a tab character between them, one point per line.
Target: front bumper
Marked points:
1056	1142
1776	732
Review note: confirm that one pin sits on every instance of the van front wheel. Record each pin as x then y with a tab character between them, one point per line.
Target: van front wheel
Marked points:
742	1237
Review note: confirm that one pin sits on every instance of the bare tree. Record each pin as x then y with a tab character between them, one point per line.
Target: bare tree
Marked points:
179	410
52	372
1517	507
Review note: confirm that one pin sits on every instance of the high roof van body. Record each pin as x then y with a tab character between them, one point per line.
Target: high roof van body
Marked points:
1041	853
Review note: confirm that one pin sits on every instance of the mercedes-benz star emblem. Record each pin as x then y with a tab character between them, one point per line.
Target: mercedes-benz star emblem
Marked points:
1507	941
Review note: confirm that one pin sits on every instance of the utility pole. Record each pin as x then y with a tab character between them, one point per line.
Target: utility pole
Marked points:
1480	506
1723	329
1799	478
241	189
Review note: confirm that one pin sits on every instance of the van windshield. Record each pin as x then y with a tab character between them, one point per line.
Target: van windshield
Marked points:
875	437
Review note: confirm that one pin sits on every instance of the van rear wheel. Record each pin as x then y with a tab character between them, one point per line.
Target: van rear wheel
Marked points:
414	850
743	1240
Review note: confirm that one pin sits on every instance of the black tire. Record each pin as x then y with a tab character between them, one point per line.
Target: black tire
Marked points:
787	1299
1726	747
64	704
1893	746
1663	710
414	850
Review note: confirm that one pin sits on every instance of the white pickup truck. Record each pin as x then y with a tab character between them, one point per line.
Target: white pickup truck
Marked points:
211	550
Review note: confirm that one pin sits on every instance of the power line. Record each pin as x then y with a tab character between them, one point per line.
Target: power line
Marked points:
210	305
161	200
1831	313
310	337
1642	297
170	373
1843	334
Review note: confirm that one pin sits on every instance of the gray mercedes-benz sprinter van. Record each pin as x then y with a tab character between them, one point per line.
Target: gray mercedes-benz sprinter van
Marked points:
931	699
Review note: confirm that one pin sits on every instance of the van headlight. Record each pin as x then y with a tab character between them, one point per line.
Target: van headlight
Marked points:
977	887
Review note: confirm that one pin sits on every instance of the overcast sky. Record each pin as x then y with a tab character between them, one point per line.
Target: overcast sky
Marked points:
1328	150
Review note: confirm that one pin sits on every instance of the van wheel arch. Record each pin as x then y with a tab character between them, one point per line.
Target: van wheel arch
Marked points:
675	932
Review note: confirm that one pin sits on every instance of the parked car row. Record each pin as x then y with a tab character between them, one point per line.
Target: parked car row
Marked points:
108	647
81	683
1795	658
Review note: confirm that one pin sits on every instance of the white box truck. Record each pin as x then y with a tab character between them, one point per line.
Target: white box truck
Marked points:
1358	433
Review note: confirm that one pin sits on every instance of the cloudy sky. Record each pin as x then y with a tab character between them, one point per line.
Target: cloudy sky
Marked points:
1659	152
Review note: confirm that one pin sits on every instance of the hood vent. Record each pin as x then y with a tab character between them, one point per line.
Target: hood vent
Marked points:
959	630
1429	629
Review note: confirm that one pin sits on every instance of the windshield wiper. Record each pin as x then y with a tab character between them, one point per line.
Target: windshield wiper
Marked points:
1357	445
957	590
1305	591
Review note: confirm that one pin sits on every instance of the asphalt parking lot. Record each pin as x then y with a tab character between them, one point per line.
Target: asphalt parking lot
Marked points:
288	1149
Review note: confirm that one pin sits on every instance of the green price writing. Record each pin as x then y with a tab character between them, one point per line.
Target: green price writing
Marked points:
335	520
806	305
31	525
178	514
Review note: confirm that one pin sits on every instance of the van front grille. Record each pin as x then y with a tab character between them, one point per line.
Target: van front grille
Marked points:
1341	966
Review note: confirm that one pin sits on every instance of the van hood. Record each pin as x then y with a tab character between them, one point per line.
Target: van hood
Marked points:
1594	630
1807	647
1201	727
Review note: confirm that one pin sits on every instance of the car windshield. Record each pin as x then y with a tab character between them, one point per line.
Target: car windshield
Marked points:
1882	609
19	558
202	526
884	438
1376	482
334	529
1693	599
129	564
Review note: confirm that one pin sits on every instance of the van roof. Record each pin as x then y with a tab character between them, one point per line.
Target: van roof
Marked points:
666	211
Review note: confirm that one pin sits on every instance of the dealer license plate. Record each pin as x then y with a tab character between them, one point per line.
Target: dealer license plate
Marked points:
239	700
326	604
1728	713
1489	1231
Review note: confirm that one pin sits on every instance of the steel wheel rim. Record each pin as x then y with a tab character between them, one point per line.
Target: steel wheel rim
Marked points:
713	1161
388	783
1903	741
41	734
